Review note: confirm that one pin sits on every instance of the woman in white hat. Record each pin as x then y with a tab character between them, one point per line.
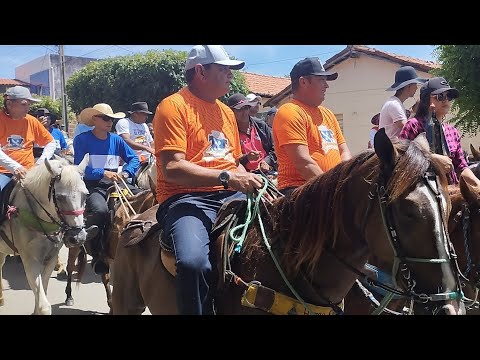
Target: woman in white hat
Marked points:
106	151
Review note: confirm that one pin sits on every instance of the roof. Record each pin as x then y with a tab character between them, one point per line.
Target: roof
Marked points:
352	51
13	82
265	85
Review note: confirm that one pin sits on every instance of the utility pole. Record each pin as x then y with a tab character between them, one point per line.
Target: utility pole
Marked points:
62	81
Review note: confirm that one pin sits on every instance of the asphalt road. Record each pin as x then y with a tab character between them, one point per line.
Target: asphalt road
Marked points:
89	297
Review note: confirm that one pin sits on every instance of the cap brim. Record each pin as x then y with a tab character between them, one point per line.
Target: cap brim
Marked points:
453	92
395	86
330	76
242	104
233	64
142	111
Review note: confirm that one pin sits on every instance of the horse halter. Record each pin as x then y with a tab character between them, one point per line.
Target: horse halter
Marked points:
401	261
60	213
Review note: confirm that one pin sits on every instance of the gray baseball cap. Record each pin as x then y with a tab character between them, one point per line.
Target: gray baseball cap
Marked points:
19	92
211	54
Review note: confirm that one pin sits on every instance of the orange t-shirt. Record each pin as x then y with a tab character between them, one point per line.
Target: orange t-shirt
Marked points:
18	136
205	132
315	127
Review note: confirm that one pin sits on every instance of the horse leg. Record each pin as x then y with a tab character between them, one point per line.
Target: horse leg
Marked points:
2	261
108	291
34	270
72	256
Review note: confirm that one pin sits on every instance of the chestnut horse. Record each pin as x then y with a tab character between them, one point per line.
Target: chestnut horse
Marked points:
307	252
464	231
77	256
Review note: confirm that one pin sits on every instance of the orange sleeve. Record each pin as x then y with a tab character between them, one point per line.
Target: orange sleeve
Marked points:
335	126
290	127
237	149
41	134
170	128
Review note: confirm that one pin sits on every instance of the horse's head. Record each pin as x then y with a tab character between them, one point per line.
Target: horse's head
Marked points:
409	200
464	229
68	193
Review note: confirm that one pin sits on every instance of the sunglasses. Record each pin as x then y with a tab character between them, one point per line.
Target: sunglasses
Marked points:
444	96
104	117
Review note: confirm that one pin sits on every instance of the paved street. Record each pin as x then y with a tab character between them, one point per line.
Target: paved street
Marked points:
90	298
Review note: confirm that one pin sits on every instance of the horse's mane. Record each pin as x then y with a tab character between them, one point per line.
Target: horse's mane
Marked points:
38	178
313	215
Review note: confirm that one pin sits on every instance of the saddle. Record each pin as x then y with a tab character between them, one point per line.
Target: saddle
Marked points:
4	199
230	214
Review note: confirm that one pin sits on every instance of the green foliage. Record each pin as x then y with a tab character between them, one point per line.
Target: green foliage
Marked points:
54	106
461	68
123	80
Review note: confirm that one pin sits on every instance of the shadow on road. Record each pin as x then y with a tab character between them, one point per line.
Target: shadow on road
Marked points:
62	309
14	273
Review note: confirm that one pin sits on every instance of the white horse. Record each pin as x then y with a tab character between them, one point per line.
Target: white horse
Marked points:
146	177
47	207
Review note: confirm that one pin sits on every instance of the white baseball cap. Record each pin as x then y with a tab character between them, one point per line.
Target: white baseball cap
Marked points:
211	54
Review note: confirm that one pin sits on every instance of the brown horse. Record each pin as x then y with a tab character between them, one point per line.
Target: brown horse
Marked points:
464	231
77	257
321	237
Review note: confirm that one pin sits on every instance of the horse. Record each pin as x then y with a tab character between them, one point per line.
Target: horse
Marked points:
44	209
464	233
146	176
77	256
312	245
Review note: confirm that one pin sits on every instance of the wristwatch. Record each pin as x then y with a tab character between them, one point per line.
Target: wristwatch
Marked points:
125	175
224	177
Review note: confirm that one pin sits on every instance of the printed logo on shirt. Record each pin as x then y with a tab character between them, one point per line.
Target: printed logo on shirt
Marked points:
14	142
218	148
140	139
329	142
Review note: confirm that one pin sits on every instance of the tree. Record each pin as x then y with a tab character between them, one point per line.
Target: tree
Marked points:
123	80
461	68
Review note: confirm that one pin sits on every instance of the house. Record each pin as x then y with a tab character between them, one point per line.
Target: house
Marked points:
44	73
8	83
359	91
265	86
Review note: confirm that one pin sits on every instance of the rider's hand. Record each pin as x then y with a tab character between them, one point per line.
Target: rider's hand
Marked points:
245	182
253	155
264	166
151	150
444	161
112	176
20	173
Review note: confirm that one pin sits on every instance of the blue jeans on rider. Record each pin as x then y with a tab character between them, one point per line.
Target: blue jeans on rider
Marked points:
5	178
288	190
187	220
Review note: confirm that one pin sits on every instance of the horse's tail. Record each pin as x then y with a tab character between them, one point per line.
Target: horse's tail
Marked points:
81	263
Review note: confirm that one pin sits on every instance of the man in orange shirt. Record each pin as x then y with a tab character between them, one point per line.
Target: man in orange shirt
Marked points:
197	146
18	132
307	137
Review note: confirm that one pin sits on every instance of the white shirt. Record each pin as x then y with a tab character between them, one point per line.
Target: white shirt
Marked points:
392	111
139	133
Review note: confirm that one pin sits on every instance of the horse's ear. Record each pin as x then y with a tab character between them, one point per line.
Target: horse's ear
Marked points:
54	171
81	167
469	190
384	150
475	153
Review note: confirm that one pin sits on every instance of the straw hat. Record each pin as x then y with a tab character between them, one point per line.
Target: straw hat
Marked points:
86	116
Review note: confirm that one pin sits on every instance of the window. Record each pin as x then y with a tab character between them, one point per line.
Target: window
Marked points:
340	120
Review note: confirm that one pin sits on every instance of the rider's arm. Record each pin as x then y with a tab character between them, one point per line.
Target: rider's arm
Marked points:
344	152
130	158
133	144
299	155
8	163
48	151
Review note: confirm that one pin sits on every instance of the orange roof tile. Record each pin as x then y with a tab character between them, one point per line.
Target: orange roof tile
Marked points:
12	82
265	85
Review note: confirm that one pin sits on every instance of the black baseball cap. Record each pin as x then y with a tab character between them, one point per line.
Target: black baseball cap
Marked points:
437	85
311	66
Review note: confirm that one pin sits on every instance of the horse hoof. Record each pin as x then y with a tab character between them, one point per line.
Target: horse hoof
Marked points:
69	302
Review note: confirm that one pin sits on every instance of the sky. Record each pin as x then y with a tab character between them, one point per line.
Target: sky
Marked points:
274	60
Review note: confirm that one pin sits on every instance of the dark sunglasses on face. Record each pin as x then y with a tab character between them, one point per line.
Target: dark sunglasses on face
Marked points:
443	96
104	117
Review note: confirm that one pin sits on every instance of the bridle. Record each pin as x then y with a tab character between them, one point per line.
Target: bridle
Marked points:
62	223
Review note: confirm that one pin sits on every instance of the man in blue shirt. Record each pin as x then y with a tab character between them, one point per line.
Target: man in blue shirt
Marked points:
47	120
106	151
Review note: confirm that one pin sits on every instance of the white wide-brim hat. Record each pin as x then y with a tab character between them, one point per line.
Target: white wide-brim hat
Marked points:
87	114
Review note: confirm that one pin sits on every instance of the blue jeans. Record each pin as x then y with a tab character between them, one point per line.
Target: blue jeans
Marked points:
187	220
4	180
